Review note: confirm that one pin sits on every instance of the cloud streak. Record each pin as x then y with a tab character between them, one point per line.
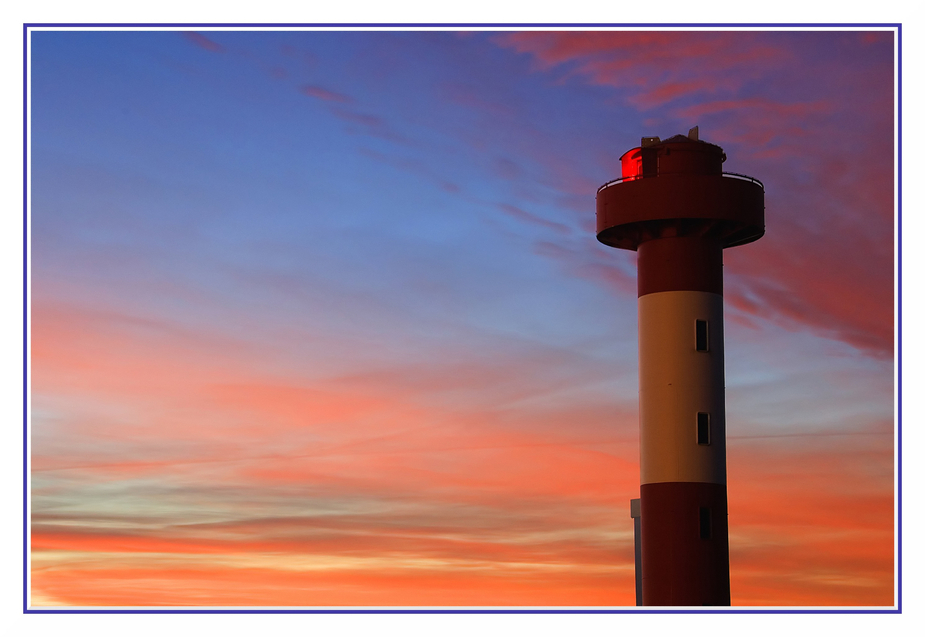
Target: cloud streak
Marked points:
203	42
528	217
324	94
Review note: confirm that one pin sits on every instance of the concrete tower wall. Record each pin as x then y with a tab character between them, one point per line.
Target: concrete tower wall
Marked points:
677	382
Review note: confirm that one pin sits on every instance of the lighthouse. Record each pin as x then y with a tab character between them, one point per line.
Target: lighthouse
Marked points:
678	210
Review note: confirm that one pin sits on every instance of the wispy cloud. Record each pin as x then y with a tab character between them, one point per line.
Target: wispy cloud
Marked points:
324	94
656	67
529	217
203	42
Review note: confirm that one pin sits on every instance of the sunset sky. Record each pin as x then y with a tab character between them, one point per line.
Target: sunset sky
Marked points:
320	319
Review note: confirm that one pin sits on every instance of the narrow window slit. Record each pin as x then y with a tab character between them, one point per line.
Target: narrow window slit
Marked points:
703	341
706	523
703	428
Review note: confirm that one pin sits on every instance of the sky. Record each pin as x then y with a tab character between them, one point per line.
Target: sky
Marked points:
320	319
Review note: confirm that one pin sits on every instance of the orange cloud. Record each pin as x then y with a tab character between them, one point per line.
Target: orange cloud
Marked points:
811	520
210	586
218	482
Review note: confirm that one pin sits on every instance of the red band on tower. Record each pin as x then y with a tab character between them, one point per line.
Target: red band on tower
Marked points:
680	263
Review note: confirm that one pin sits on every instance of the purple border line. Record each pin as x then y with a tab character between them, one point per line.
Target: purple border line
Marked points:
467	611
25	310
361	25
488	611
899	316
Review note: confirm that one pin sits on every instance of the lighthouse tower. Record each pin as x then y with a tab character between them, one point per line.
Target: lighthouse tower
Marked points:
678	210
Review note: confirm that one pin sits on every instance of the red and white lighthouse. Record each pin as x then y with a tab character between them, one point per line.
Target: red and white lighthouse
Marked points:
676	207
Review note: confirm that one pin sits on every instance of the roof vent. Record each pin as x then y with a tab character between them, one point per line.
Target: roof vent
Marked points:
694	133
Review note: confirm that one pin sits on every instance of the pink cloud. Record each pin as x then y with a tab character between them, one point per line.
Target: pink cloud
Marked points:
373	125
656	67
670	91
372	121
835	280
507	169
767	111
578	261
529	217
471	98
324	94
203	42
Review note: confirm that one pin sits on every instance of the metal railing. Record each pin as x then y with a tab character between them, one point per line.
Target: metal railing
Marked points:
635	177
619	180
744	178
